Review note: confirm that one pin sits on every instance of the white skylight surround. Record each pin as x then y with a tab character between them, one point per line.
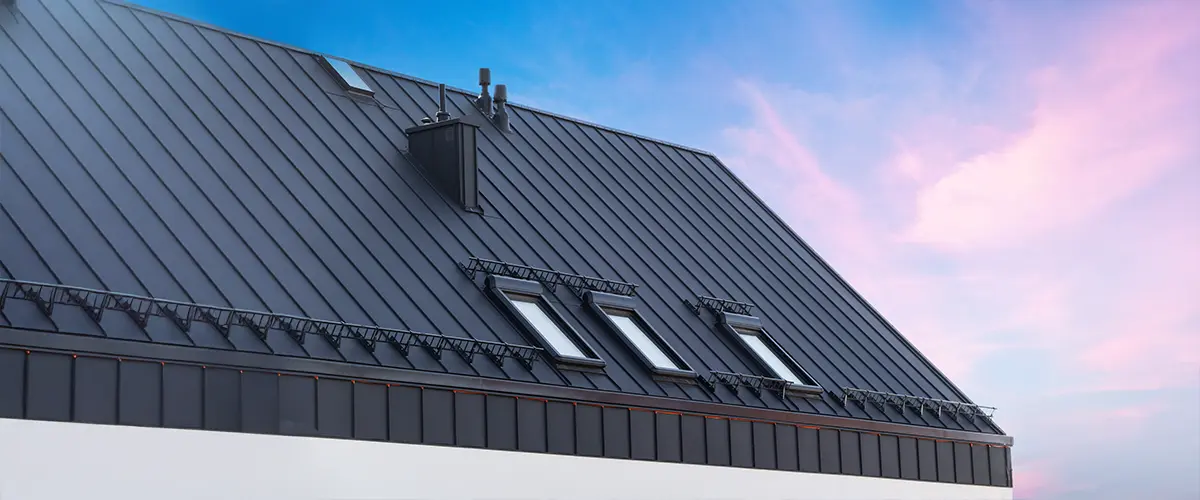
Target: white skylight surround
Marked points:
754	340
532	310
350	78
633	331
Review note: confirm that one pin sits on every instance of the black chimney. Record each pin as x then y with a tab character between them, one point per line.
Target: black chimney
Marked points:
445	149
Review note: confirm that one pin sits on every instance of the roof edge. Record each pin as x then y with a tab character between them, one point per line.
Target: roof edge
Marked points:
394	74
842	281
24	338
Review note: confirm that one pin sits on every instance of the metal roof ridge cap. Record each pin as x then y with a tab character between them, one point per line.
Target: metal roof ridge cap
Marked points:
415	79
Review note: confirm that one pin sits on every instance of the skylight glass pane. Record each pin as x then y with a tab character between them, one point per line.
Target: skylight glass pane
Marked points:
349	76
641	339
537	316
768	355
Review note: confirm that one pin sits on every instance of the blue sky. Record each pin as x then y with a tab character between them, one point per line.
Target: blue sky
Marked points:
1012	184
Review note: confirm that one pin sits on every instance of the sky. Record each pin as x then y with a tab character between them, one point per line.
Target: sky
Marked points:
1015	185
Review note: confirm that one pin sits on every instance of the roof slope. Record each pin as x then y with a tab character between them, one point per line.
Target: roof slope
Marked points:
150	155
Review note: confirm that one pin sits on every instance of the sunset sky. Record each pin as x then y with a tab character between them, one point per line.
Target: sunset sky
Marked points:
1015	185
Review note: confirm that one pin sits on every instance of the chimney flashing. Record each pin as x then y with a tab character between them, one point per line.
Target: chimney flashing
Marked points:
433	125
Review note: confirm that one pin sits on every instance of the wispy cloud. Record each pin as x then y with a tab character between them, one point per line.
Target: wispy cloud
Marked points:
1107	123
1045	206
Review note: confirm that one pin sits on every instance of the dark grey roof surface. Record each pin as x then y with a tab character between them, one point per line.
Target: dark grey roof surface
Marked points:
151	155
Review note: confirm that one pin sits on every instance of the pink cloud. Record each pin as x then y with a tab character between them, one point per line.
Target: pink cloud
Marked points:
1104	127
1033	480
1052	234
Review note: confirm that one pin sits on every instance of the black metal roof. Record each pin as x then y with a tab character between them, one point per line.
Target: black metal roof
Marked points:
155	156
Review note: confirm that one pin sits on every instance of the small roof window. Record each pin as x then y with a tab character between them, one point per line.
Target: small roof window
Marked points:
538	317
620	314
754	340
347	75
525	302
748	330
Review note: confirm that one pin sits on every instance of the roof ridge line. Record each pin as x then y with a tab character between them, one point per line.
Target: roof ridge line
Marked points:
394	74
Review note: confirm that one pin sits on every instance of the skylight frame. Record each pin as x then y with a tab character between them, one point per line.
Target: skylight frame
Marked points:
601	303
347	76
503	289
730	323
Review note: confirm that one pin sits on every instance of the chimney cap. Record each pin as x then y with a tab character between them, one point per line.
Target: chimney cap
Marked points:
485	76
501	92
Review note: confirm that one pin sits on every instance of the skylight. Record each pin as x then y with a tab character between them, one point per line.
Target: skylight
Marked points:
754	340
620	313
349	77
769	355
526	303
633	331
537	316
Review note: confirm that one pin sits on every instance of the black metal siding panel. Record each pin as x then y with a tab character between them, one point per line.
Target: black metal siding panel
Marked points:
222	399
334	408
470	420
830	446
589	430
716	438
560	427
642	437
260	402
929	463
140	393
298	405
962	463
889	456
741	443
871	462
998	465
531	425
692	434
810	450
911	460
48	386
786	447
405	414
502	422
1008	465
95	390
616	432
12	383
370	411
669	436
764	445
437	416
850	450
183	396
945	462
193	164
979	464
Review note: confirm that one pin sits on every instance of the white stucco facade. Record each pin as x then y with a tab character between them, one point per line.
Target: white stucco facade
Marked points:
59	461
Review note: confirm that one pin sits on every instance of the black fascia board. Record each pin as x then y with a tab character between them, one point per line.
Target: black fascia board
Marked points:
598	301
155	352
499	287
729	322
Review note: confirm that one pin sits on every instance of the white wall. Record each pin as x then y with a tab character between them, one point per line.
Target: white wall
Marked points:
50	460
